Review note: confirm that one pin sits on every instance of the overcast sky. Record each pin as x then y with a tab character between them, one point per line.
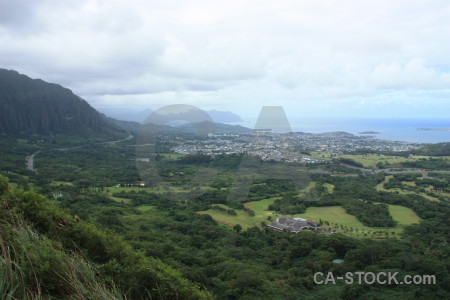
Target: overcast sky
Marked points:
315	57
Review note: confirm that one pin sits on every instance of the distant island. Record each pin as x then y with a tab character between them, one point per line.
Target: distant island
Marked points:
433	129
369	132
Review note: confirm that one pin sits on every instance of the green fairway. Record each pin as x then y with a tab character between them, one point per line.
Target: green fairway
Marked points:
329	187
403	215
261	207
241	218
380	187
332	214
146	208
311	185
335	218
113	189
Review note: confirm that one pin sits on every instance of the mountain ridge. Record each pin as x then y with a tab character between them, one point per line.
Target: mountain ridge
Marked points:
34	106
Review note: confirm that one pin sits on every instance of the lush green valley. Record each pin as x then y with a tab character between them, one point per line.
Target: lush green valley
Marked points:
134	242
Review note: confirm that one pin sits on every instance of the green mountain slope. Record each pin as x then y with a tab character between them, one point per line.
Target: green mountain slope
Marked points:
46	253
33	106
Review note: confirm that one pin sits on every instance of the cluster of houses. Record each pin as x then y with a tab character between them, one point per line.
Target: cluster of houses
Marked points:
140	184
294	225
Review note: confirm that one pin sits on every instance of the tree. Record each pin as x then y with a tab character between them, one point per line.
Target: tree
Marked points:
237	227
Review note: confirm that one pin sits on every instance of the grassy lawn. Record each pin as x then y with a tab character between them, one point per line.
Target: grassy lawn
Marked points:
311	185
329	187
241	218
403	215
342	222
261	207
380	186
146	208
332	214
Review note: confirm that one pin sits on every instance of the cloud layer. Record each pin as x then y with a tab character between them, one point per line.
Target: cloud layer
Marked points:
347	56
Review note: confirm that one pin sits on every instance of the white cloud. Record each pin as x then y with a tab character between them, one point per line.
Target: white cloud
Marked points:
234	55
413	75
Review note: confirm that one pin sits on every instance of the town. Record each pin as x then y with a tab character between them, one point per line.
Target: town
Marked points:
288	147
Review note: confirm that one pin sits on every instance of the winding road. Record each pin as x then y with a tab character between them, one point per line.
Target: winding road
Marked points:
30	158
30	161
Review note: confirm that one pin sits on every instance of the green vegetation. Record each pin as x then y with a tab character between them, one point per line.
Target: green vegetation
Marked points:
442	149
242	217
126	233
395	184
29	107
49	251
381	161
329	187
336	218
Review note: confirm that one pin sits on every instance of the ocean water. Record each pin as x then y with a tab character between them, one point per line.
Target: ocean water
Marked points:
388	129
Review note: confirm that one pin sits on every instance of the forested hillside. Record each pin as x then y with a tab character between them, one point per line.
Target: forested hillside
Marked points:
30	106
46	253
